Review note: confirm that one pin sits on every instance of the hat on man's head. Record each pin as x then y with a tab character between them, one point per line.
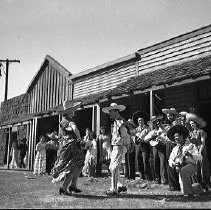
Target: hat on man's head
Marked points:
68	107
170	111
193	117
155	119
53	136
140	114
113	106
177	129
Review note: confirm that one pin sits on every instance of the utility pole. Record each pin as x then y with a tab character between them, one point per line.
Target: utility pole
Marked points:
7	61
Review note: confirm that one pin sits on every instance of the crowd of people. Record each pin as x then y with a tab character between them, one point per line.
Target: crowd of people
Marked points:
168	149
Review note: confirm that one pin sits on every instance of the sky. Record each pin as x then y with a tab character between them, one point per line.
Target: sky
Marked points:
81	34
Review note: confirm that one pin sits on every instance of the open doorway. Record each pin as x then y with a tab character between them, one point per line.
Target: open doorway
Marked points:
83	120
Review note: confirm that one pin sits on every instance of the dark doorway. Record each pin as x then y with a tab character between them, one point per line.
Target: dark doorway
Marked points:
83	120
205	112
47	125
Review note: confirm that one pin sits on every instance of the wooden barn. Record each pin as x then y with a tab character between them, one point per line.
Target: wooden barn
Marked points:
174	73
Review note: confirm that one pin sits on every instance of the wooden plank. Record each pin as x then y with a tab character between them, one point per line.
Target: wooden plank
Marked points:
60	89
181	44
51	89
39	95
66	89
174	59
54	87
42	96
181	51
57	87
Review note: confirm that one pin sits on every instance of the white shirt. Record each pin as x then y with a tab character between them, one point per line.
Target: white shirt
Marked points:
192	149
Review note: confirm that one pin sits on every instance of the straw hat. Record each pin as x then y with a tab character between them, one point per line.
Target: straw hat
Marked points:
170	111
155	119
140	114
68	107
113	106
177	129
196	119
53	136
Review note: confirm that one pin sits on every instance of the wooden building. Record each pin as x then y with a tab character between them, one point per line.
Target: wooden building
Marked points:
174	73
31	115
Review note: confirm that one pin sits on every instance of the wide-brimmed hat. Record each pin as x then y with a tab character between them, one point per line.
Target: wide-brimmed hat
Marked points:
140	114
68	107
170	111
177	129
155	119
113	106
53	136
183	113
193	117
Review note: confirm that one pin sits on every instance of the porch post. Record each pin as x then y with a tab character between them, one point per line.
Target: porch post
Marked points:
151	104
8	147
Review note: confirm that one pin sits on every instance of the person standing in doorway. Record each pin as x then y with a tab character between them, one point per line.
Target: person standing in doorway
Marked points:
14	153
120	141
23	150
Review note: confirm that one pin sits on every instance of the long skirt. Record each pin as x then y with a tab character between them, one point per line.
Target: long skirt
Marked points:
69	157
40	162
14	161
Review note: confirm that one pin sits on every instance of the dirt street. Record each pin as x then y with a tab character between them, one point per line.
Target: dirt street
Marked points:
21	189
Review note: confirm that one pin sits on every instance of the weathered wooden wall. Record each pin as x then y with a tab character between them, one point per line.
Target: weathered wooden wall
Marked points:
50	89
189	46
105	80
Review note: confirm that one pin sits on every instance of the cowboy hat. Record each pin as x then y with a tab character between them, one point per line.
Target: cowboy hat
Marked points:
196	119
53	136
155	119
170	111
177	129
140	114
68	107
113	106
183	113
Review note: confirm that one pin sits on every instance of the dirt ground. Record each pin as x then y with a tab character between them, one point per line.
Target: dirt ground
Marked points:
21	189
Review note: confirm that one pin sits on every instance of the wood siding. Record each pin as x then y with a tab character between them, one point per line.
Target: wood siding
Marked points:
103	81
178	51
50	90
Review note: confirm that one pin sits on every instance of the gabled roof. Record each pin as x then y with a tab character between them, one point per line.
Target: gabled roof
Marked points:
176	73
54	63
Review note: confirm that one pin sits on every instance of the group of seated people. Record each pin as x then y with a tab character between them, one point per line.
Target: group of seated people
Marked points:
168	149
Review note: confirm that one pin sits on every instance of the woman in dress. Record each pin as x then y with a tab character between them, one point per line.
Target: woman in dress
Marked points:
40	159
14	153
91	156
70	156
104	149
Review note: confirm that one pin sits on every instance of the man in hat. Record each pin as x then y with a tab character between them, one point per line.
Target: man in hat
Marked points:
173	179
142	147
23	149
183	158
120	140
157	139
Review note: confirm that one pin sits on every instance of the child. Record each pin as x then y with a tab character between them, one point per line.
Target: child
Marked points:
40	159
